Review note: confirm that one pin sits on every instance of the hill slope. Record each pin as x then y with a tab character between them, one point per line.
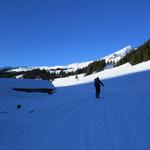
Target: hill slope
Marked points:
73	118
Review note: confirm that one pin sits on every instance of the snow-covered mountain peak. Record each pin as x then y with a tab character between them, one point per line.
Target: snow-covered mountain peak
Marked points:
124	50
116	56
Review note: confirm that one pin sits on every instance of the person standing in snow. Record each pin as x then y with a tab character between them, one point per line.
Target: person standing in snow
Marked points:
97	84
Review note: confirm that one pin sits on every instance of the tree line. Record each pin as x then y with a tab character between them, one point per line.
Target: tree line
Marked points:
141	54
93	67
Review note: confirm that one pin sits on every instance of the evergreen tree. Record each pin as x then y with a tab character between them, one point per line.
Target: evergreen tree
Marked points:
139	55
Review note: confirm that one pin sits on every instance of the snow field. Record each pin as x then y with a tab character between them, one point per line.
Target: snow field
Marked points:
73	119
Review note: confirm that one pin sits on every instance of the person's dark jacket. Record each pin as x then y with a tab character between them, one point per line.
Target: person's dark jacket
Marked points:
98	83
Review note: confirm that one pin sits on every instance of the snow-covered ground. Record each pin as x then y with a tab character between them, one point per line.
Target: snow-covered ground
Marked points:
73	119
106	74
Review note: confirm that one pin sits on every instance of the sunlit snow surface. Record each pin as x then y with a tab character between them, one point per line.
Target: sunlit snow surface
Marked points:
106	74
73	119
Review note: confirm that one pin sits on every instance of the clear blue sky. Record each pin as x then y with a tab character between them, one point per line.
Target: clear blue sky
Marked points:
59	32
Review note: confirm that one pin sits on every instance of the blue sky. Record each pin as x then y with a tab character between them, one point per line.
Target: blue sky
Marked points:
59	32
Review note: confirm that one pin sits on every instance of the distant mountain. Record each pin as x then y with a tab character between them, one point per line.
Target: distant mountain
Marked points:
112	58
116	56
4	69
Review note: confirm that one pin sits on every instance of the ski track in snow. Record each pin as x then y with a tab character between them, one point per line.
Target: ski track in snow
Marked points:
73	119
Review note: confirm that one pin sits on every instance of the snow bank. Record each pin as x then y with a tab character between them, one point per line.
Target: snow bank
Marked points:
106	74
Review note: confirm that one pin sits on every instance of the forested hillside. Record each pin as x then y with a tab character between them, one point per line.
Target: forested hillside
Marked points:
141	54
134	56
95	66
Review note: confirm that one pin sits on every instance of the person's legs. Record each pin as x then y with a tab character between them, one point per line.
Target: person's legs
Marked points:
97	92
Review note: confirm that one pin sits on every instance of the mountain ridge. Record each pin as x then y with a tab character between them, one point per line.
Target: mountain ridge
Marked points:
111	58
